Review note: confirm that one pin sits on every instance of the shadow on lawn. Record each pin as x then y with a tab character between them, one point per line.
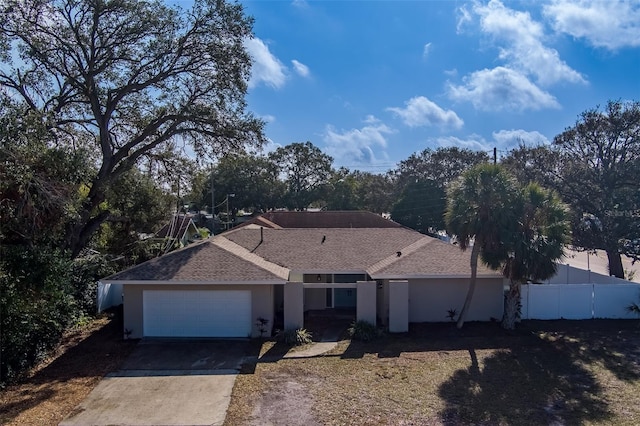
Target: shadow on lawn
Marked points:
535	375
98	354
523	385
613	343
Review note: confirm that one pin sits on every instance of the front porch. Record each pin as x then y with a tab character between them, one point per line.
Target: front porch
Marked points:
360	301
329	324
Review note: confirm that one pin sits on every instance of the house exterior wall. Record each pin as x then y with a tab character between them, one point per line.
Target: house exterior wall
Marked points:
383	301
296	277
366	301
262	301
430	299
315	298
293	305
398	306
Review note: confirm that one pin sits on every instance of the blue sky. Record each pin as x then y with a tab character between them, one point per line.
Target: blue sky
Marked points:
371	82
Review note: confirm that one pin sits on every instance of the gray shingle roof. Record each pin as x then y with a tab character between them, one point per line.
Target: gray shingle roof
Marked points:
241	255
203	261
432	259
342	249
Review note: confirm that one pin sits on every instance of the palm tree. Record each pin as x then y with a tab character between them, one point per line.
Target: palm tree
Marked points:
480	207
542	231
634	308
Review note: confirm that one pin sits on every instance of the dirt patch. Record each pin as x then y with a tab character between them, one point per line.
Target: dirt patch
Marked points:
55	387
285	401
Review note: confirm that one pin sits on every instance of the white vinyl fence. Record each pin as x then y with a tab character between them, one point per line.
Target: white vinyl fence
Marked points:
578	301
108	295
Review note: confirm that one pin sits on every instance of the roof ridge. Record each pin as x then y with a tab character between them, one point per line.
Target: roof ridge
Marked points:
411	248
268	222
245	254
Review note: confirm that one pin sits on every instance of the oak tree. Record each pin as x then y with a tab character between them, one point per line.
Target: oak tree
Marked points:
124	79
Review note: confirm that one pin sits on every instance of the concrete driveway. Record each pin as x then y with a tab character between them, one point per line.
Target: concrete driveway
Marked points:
167	382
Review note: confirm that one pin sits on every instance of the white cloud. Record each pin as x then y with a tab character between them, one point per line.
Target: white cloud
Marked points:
504	140
513	137
611	24
420	111
451	73
302	4
501	89
521	44
268	118
300	68
473	142
371	119
426	50
464	17
357	145
266	67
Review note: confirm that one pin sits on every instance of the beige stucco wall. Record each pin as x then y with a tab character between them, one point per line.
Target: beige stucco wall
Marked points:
430	299
366	305
293	305
261	303
398	306
383	301
296	277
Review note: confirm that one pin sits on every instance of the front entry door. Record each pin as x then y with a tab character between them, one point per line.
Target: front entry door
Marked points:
344	298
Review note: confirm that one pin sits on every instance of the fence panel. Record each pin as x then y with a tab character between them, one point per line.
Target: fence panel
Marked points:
544	302
108	295
611	300
576	301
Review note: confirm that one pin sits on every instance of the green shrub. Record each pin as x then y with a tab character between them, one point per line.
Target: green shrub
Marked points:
36	304
364	330
297	337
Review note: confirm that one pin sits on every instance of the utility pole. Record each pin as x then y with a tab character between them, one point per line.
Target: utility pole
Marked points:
495	155
229	218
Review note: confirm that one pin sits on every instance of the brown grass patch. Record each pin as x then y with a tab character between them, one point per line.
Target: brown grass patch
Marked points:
559	372
55	387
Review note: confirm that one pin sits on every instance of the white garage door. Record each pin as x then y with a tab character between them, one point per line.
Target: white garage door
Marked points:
197	313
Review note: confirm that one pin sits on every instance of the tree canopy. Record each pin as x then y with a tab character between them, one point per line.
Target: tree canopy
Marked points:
126	79
421	206
595	167
442	165
306	171
252	178
600	179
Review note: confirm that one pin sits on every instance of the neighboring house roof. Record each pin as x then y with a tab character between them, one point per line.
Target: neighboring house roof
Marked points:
177	227
322	219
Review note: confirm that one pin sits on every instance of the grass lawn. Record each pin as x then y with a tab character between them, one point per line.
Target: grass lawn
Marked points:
546	372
